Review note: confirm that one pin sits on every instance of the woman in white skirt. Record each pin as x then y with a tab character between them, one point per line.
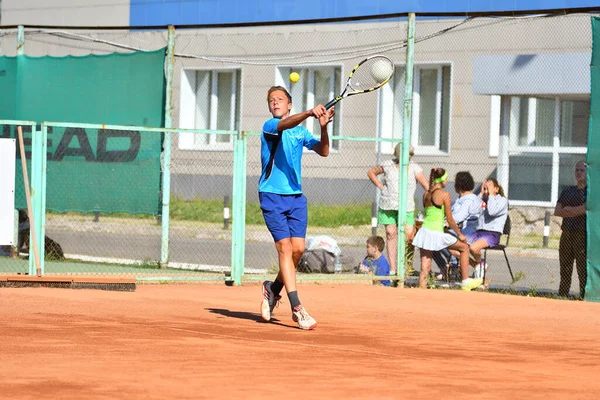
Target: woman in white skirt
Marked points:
432	237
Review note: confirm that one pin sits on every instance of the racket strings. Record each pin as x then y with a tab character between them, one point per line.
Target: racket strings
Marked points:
364	79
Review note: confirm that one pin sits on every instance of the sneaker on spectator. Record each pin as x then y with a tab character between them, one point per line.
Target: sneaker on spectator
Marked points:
305	321
269	302
480	270
472	283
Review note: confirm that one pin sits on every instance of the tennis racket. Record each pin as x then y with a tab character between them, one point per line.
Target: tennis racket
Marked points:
369	75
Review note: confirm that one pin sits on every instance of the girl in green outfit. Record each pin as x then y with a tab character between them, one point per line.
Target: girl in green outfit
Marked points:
432	237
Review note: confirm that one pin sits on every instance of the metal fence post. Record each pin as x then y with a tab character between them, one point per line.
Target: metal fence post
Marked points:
20	40
546	228
166	176
405	146
20	51
39	146
226	212
238	228
374	218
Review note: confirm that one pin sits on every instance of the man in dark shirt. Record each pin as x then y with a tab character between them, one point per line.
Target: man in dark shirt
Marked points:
571	206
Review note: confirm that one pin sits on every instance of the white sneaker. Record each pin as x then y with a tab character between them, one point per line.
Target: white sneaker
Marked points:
269	302
480	270
305	321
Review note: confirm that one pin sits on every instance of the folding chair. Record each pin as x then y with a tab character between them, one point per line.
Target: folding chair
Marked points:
501	247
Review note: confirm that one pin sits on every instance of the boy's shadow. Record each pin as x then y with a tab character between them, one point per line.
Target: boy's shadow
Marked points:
244	315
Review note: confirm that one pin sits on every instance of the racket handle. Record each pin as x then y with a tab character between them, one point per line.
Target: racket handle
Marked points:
332	103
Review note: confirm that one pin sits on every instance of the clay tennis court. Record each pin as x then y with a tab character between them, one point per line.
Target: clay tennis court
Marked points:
208	341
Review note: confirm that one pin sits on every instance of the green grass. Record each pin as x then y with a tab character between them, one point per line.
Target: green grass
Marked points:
197	210
533	241
333	216
86	215
211	211
519	275
330	216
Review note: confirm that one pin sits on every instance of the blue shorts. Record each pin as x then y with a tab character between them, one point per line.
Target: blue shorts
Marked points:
286	215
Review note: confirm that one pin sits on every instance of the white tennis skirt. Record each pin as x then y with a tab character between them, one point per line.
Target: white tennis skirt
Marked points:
433	240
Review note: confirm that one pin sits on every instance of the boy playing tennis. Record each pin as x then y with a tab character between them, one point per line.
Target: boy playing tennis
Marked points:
283	205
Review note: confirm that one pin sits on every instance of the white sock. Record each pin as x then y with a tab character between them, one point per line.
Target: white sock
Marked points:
464	281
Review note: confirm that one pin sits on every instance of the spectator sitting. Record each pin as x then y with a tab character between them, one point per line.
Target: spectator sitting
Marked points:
432	237
467	207
465	211
494	211
375	262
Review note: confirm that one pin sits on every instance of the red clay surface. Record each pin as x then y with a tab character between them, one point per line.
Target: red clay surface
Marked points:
208	341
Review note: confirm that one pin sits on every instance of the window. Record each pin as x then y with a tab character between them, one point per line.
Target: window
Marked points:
430	133
546	138
317	85
533	120
575	117
210	99
529	179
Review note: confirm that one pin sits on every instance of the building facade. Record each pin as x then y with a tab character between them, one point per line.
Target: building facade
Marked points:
507	97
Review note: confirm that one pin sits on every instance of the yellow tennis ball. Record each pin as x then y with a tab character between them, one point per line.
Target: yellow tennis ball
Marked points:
294	77
381	70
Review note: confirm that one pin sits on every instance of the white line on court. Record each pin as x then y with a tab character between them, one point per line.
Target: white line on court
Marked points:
178	265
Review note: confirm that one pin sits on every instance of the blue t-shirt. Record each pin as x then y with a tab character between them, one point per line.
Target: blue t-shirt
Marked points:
286	169
379	267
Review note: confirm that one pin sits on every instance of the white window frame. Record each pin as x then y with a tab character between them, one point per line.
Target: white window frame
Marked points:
187	109
515	150
387	101
495	107
282	73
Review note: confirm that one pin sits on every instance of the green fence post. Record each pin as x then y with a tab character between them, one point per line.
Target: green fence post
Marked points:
42	199
20	51
234	210
243	180
239	209
38	196
405	147
166	175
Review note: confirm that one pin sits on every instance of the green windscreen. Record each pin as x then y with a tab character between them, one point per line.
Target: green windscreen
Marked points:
8	84
592	289
91	169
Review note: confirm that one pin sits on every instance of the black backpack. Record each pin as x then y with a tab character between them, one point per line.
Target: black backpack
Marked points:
317	261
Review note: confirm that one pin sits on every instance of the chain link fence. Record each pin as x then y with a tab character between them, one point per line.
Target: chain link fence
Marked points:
498	97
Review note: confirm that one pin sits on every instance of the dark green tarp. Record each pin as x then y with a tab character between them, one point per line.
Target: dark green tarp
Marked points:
91	169
592	289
